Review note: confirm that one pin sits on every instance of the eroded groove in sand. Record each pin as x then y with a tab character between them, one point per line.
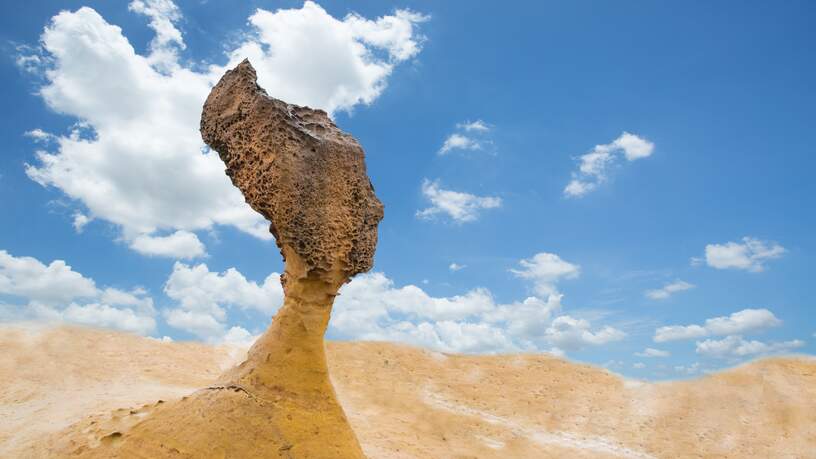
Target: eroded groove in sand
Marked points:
561	439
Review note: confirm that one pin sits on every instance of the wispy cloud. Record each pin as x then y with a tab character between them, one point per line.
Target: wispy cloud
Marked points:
651	352
459	206
668	290
593	169
471	136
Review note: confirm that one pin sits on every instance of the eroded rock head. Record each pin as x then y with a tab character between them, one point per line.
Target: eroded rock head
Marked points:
298	170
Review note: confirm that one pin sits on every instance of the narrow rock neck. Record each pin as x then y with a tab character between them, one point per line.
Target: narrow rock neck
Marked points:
289	358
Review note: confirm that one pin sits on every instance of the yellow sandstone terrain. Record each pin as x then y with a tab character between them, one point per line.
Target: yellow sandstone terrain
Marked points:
61	387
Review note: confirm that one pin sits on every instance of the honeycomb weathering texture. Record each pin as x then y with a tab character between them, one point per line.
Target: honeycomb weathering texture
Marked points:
297	169
309	179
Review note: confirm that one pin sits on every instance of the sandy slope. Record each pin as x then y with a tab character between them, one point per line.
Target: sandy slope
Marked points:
57	384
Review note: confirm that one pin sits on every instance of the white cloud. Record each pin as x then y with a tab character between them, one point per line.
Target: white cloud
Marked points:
136	298
203	297
105	316
377	292
163	15
49	284
749	255
80	220
569	333
478	125
735	347
652	352
38	135
459	142
743	321
29	59
679	332
240	337
456	267
461	207
747	320
639	365
578	188
181	244
202	324
634	147
594	167
471	136
139	163
546	270
668	290
307	57
371	307
55	292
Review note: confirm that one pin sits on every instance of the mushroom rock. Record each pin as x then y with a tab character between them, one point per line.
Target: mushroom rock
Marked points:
308	178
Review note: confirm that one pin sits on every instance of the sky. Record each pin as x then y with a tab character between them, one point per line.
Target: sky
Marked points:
626	184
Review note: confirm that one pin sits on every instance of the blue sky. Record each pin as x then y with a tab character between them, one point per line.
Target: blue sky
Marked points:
688	229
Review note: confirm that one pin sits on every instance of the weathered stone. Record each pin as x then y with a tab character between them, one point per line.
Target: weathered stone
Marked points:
297	169
307	177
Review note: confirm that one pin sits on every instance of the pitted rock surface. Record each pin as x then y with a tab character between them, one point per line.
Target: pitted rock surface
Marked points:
297	169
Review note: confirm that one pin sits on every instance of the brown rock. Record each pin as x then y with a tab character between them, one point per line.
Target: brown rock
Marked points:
307	177
297	169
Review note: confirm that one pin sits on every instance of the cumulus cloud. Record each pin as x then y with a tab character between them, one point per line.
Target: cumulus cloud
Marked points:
181	244
372	307
736	346
456	267
749	255
668	290
55	292
651	352
460	207
471	136
203	297
594	167
140	163
307	57
545	270
747	320
569	333
202	324
54	283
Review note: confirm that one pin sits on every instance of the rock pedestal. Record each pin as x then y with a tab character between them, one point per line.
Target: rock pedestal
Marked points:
308	178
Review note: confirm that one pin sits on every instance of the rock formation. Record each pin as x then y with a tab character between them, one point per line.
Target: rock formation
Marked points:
308	178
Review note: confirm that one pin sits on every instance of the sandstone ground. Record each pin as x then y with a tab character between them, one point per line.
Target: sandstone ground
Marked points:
57	384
